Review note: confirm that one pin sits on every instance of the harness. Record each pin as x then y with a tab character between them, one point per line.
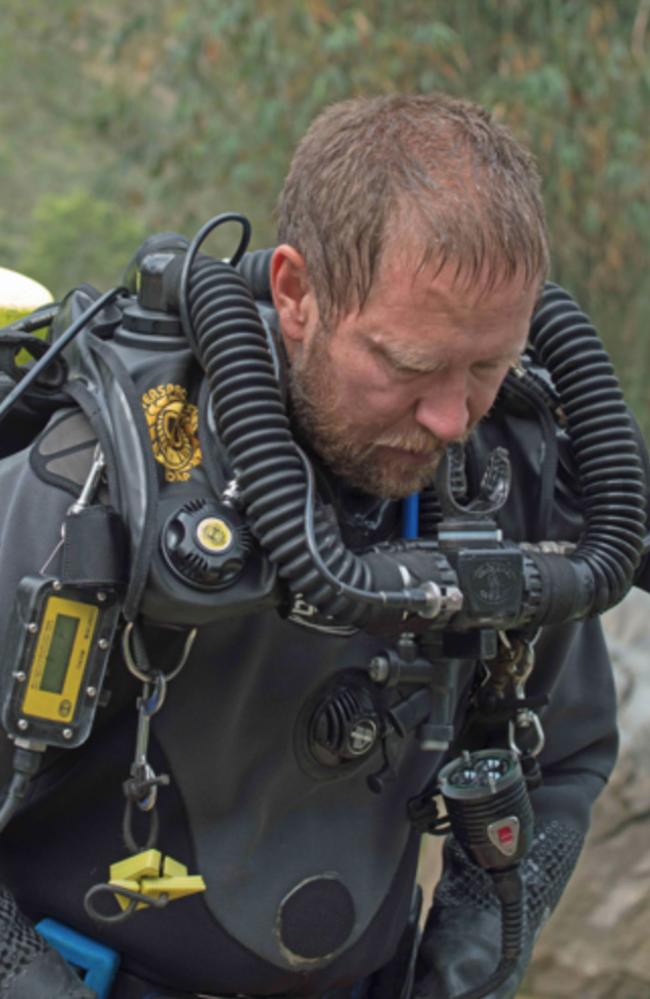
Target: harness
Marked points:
186	520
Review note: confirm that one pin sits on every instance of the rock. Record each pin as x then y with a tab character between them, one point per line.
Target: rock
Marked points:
596	944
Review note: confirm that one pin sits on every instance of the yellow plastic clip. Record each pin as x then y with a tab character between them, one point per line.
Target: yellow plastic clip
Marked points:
152	875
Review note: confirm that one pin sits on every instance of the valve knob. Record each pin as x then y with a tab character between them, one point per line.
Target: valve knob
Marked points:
344	727
206	544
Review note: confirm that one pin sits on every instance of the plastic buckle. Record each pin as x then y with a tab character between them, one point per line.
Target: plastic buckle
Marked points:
98	962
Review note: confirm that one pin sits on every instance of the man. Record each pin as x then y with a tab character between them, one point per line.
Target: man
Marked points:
412	252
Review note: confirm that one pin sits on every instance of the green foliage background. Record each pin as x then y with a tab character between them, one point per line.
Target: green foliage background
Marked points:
121	119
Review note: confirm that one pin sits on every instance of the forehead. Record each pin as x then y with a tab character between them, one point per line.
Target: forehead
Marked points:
408	292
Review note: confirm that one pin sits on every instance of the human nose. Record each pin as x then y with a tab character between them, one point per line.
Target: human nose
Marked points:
444	411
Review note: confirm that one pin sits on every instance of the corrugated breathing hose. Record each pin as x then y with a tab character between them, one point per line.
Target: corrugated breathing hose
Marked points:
252	423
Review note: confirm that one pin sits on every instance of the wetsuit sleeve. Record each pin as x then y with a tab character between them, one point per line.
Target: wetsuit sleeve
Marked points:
460	947
29	967
32	511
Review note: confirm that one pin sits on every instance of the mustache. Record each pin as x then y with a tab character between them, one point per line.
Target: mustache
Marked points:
417	441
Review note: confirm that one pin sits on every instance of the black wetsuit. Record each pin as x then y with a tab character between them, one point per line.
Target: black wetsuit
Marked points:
309	873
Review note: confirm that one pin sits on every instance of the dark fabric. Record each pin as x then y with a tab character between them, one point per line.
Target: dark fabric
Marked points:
317	918
461	943
244	808
20	944
46	975
29	968
129	987
95	546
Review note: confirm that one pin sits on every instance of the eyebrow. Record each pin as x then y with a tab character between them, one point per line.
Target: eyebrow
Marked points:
405	357
413	359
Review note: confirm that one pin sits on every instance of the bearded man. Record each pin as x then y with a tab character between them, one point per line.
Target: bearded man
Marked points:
397	304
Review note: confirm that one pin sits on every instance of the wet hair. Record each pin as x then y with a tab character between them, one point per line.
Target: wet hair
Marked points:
372	173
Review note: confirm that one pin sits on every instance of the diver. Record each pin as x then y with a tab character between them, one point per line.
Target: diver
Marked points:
304	539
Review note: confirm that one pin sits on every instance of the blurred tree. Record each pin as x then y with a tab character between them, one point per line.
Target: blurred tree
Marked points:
74	226
174	111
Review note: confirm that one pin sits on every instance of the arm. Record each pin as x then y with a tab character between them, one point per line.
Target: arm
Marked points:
461	940
32	513
29	967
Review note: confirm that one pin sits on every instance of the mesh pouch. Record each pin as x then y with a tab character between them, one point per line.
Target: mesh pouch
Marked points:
19	941
29	967
545	872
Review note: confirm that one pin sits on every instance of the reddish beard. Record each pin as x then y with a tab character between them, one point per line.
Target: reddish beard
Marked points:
379	466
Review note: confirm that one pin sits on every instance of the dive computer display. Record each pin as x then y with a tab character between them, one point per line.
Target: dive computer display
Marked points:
57	650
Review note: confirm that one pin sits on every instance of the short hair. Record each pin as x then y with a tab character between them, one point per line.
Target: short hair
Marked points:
458	179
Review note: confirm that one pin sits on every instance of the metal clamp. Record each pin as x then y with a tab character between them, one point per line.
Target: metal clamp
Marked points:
526	721
141	787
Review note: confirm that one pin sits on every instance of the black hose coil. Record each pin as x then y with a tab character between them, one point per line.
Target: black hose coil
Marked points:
254	428
606	453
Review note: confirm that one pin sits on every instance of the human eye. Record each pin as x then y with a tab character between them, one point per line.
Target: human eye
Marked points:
406	370
395	366
489	367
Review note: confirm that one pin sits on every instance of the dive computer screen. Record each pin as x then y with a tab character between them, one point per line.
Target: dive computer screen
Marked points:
59	653
64	644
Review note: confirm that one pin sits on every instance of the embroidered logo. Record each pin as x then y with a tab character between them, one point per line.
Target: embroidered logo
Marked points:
173	426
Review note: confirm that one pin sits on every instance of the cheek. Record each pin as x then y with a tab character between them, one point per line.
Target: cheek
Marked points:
373	393
381	408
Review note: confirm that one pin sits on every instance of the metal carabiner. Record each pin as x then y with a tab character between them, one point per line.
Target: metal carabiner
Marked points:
130	660
141	786
526	719
522	661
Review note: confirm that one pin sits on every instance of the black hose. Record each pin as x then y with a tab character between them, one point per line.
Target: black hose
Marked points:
254	428
603	441
26	763
509	888
255	267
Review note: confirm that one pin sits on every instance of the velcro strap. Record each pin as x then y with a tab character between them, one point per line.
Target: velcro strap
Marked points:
95	548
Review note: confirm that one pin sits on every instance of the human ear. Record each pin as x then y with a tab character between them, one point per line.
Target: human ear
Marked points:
293	298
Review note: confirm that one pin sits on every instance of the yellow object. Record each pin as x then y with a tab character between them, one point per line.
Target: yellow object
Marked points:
214	534
173	869
59	662
141	865
123	900
174	430
172	887
149	874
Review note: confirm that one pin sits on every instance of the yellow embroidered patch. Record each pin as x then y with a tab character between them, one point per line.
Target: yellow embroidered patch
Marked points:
173	426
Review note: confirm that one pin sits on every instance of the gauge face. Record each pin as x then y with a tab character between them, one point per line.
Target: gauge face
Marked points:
59	653
57	668
57	649
214	534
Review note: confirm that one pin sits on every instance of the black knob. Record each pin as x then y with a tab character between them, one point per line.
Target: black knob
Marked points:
206	544
345	726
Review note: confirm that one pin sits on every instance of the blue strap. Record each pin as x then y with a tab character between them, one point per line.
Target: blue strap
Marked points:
99	962
411	517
